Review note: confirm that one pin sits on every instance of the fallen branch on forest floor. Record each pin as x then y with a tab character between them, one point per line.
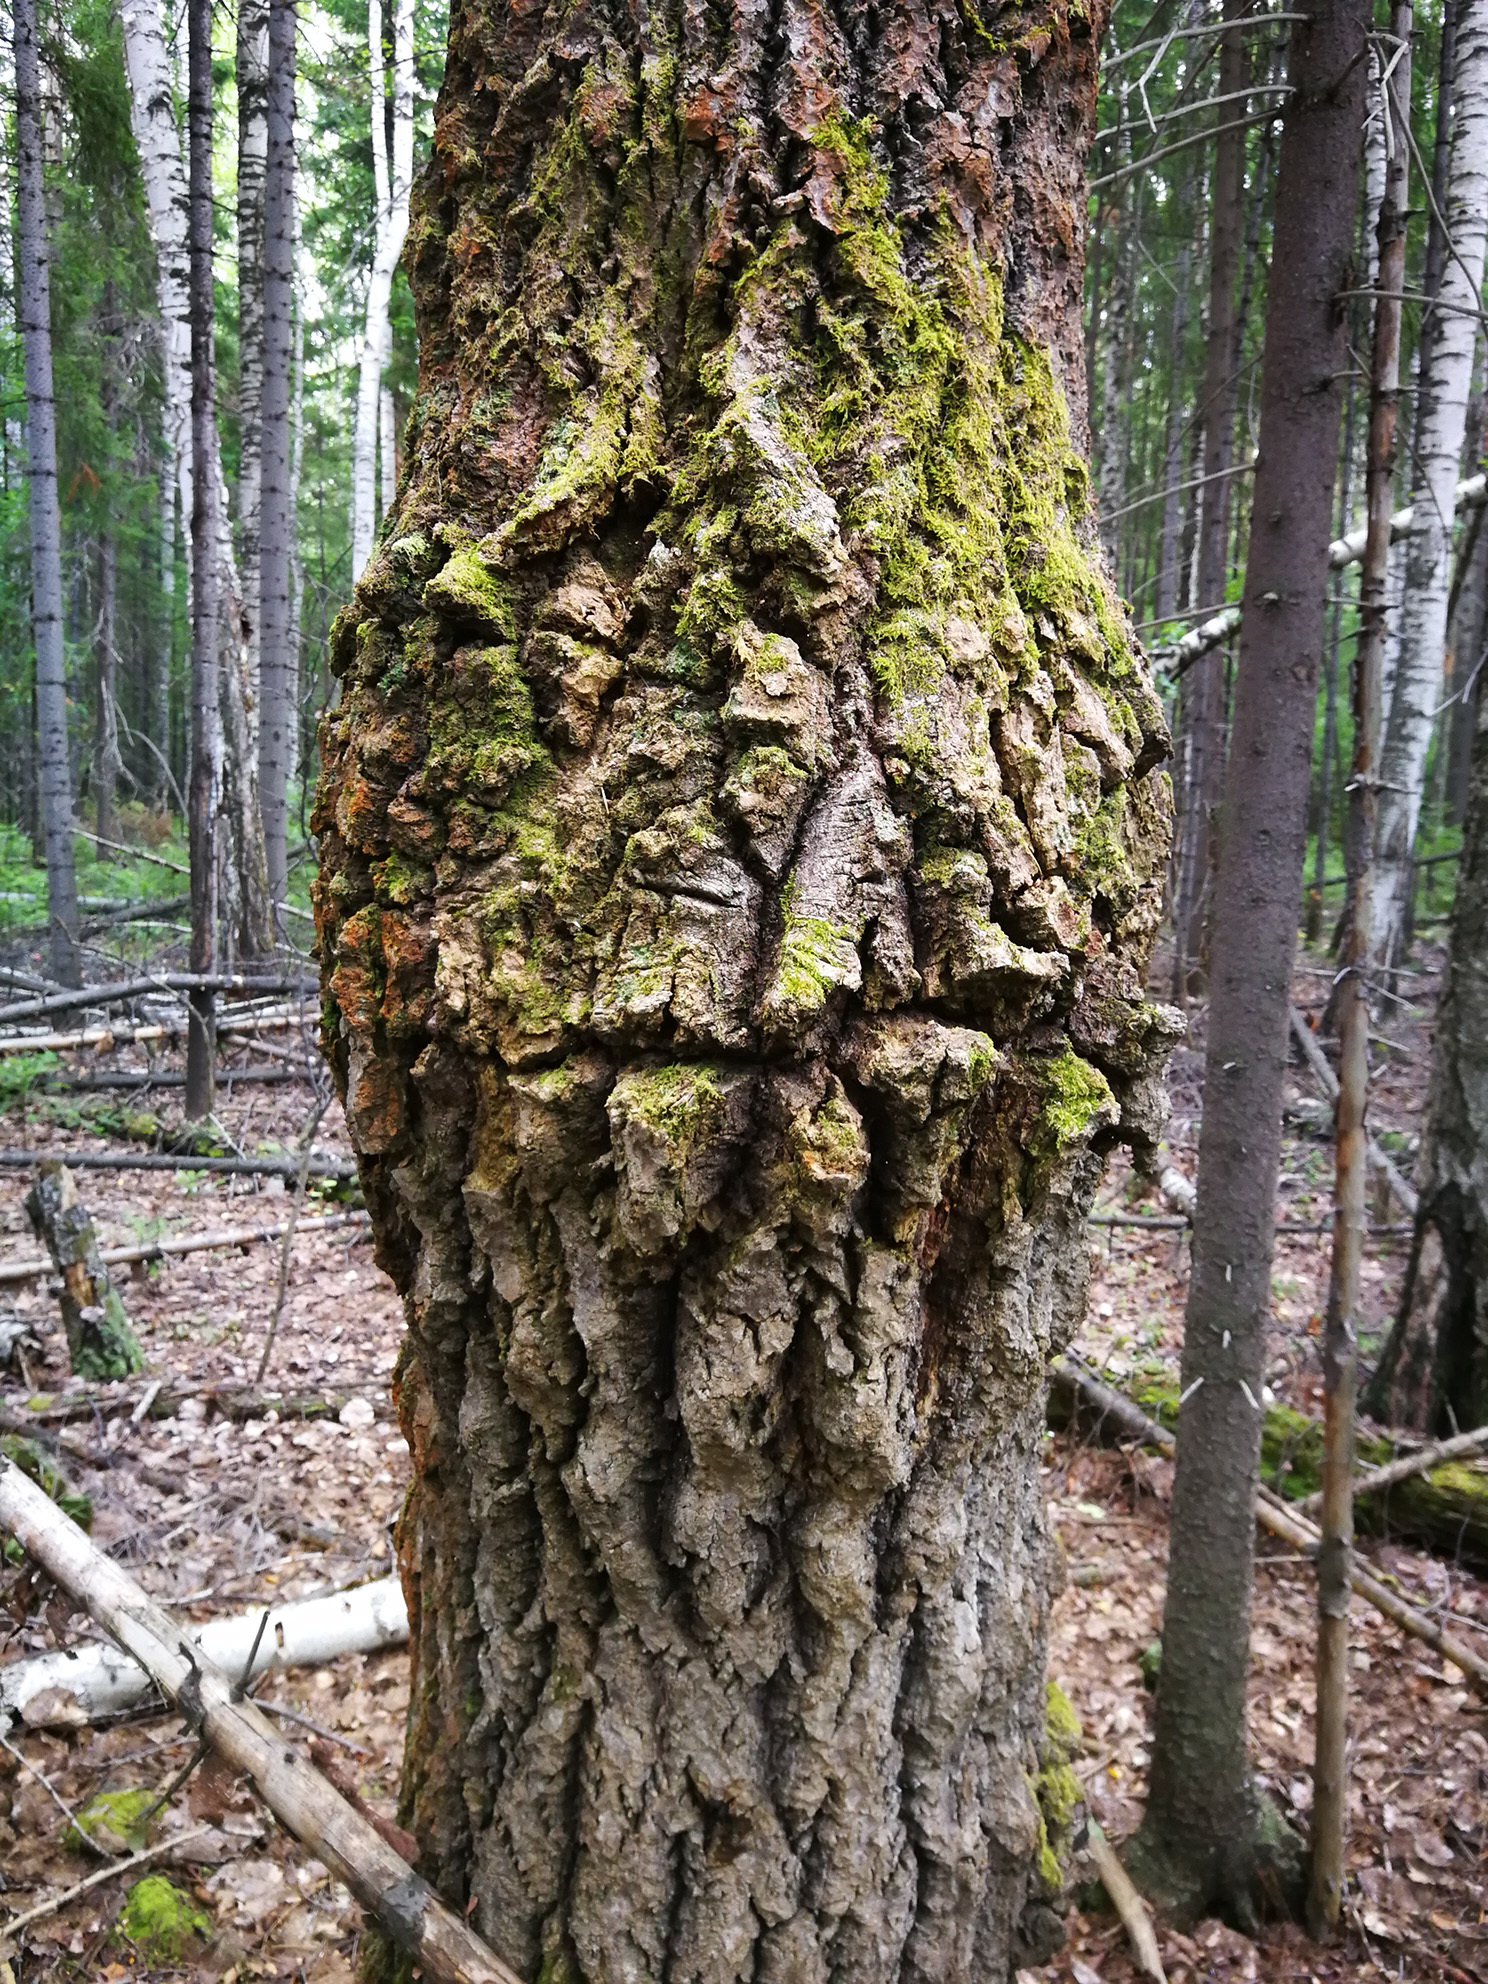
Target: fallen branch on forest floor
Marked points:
241	1167
104	1037
235	1405
142	988
189	1243
1317	1060
1127	1903
99	1680
1407	1466
9	1930
430	1934
151	1078
1280	1517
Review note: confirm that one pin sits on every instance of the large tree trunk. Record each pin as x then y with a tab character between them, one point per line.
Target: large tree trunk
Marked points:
46	521
1202	1839
1445	380
741	842
277	508
392	179
1203	690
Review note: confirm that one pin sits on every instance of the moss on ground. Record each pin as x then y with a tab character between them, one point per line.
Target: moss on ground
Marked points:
122	1818
160	1921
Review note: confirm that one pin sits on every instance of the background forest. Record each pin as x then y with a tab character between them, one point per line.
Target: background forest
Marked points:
227	452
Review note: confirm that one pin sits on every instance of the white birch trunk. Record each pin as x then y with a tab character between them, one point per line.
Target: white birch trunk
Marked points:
46	524
253	126
392	224
157	137
1445	382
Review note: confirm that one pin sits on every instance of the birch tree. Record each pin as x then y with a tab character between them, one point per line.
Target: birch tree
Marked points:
157	139
234	779
391	192
35	299
277	506
1444	382
253	136
742	834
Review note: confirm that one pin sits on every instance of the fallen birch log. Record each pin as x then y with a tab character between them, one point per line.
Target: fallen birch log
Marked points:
143	988
242	1167
1317	1060
105	1037
190	1243
91	1682
431	1935
1273	1513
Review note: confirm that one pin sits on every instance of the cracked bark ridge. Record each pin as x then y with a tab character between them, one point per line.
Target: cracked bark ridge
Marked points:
742	832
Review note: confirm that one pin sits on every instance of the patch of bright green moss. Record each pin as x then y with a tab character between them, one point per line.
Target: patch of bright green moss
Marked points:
118	1815
160	1921
1057	1791
1074	1093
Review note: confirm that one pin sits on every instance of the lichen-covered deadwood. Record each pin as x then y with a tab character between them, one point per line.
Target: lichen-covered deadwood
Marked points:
742	825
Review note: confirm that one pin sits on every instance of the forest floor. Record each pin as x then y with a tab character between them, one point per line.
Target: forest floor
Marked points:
217	1515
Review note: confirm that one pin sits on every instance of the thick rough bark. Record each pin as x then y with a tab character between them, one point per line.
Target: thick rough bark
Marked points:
741	831
1202	1839
46	523
1434	1370
277	507
1445	379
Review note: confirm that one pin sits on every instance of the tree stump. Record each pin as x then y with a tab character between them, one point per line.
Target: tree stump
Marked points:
100	1343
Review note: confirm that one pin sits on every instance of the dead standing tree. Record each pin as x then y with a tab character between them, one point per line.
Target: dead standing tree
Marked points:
742	840
1205	1836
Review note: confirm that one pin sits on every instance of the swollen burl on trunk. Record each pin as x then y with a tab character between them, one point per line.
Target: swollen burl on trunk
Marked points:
100	1343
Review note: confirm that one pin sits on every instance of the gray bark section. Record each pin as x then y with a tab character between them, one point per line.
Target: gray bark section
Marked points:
46	524
276	523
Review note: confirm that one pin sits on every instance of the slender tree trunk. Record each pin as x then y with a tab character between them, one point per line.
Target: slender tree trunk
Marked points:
1203	686
107	763
1467	633
1340	1341
387	450
1111	483
732	971
277	520
253	112
296	567
1445	382
1434	1370
1202	1840
152	113
206	528
1170	551
46	524
392	223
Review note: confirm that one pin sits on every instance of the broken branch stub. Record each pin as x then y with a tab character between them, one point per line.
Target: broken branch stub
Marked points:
100	1342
